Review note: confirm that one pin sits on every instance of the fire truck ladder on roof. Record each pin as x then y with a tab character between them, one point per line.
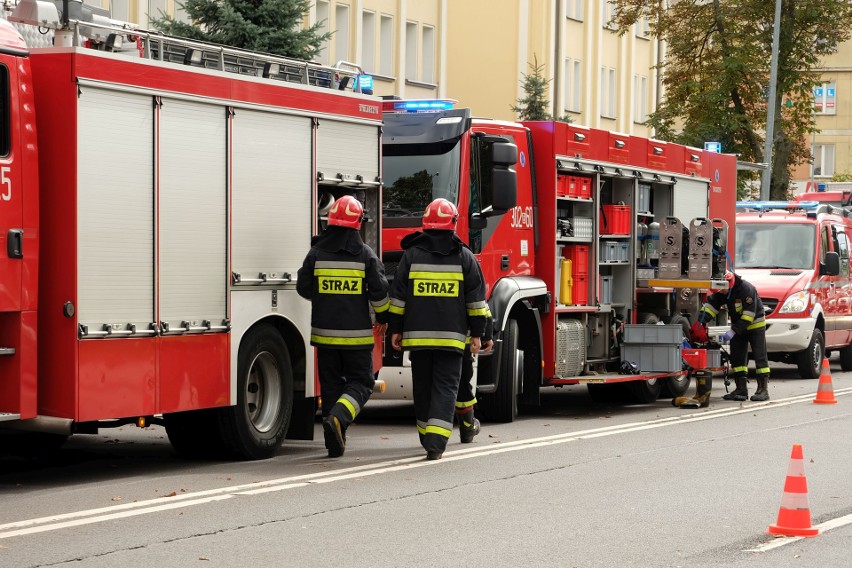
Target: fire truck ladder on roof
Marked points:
95	29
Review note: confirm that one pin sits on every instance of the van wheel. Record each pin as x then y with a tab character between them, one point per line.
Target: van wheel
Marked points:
845	358
502	405
810	360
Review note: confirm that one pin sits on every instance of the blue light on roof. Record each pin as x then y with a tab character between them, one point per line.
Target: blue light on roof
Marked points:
424	105
769	205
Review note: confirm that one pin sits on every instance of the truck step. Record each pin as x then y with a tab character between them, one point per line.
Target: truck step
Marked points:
8	416
7	351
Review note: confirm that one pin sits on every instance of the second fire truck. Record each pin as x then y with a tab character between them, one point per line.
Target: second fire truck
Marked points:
581	234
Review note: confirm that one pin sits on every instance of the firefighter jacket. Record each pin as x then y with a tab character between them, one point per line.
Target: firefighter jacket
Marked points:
744	306
438	294
340	274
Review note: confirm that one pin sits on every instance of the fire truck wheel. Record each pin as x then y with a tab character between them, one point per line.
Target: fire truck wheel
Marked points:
810	360
674	387
646	392
846	358
255	427
502	405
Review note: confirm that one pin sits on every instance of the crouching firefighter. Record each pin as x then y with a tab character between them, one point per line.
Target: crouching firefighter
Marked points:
748	328
343	278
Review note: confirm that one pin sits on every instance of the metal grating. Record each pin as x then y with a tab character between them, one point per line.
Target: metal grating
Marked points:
570	347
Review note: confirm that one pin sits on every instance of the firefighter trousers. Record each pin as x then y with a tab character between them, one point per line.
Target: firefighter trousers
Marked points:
435	376
756	338
346	381
465	399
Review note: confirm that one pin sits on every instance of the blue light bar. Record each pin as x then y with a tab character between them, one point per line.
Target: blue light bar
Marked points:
768	205
365	84
425	105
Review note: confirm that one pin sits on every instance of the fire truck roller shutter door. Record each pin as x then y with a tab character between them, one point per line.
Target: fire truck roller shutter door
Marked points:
193	212
115	209
271	192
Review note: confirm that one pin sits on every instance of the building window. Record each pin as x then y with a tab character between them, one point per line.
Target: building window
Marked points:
574	9
823	165
825	97
643	30
640	98
322	20
607	96
368	41
120	10
428	54
607	13
180	13
411	51
158	9
386	46
341	33
572	80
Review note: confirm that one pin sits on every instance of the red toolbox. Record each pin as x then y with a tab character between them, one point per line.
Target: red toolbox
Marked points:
615	219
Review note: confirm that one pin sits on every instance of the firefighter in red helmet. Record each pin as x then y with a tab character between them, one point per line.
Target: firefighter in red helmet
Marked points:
343	278
437	302
748	328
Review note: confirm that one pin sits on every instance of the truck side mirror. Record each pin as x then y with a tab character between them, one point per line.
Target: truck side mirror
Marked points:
504	180
478	222
831	266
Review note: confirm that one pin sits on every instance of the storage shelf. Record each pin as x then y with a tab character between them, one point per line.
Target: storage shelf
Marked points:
573	239
614	237
614	263
562	308
576	199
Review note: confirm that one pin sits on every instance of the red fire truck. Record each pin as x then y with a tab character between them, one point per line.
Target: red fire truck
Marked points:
157	196
568	239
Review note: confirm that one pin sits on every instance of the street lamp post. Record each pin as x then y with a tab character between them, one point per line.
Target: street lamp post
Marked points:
770	110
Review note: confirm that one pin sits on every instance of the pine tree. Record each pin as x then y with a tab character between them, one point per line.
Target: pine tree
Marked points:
270	26
534	106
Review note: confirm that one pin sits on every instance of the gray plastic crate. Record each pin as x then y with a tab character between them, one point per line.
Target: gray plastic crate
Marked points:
653	333
653	357
714	358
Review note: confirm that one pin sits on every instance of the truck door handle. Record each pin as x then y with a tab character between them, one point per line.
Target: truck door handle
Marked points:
15	243
504	262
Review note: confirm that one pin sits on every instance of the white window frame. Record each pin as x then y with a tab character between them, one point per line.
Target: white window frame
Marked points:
574	9
827	103
607	13
386	45
368	41
823	155
322	10
120	10
341	33
411	51
608	90
428	59
640	98
571	84
643	29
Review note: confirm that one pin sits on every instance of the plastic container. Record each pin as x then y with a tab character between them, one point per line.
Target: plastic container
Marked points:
610	251
660	358
579	255
582	227
653	333
563	185
566	282
644	195
615	219
695	358
584	187
580	290
606	290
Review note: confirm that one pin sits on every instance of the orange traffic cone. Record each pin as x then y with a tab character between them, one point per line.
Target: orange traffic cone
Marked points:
794	517
825	391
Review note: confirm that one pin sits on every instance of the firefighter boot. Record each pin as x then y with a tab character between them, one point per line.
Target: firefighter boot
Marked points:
335	440
701	399
468	425
741	392
762	392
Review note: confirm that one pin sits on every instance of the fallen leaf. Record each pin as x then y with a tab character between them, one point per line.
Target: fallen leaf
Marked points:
172	494
385	437
183	490
116	498
203	558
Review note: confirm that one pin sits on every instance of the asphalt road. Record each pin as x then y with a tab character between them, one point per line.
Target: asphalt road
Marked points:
571	484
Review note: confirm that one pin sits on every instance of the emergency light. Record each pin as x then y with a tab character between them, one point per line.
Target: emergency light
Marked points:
364	84
769	205
420	105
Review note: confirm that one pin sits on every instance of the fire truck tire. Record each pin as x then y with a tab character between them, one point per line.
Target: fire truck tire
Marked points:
256	426
194	434
502	405
674	387
846	358
646	392
809	360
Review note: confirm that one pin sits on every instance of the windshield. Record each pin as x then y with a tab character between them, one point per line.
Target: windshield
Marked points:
765	245
416	174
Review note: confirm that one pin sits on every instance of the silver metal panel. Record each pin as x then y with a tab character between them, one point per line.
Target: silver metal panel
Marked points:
115	209
348	148
193	213
690	199
271	193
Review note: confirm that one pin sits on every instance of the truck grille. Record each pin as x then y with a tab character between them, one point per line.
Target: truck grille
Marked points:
769	305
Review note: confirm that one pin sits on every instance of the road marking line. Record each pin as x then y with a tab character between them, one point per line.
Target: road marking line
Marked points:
65	520
778	542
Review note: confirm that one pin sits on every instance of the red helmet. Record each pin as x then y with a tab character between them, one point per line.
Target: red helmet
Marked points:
346	212
440	214
730	279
